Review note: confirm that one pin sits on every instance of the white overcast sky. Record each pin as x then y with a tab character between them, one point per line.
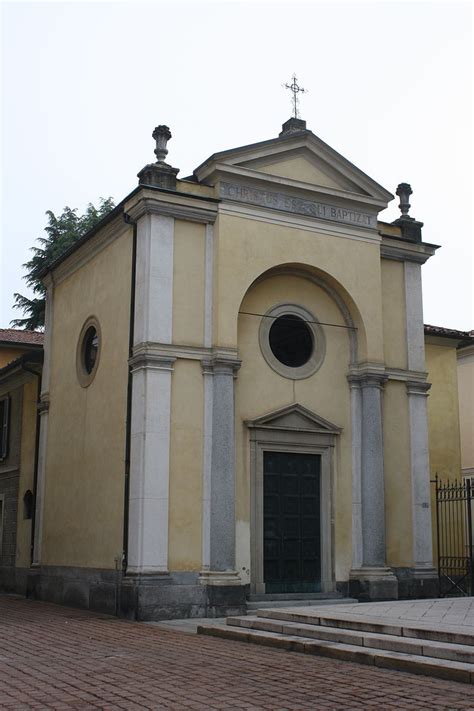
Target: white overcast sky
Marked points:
390	87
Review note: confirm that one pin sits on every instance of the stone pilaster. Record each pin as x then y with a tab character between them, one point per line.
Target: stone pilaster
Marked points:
219	492
151	397
371	579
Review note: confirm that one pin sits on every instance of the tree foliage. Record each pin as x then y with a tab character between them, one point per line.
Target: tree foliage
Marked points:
61	233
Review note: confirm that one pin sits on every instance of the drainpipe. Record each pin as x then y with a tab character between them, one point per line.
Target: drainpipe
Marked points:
35	470
129	221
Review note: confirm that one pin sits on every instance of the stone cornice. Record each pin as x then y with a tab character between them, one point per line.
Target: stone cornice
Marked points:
401	251
152	361
363	372
179	207
417	388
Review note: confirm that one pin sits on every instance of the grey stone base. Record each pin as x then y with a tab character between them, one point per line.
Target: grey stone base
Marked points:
373	584
416	584
13	580
174	596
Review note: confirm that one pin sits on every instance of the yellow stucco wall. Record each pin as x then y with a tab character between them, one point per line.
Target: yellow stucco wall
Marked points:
466	406
298	168
83	515
27	467
394	320
398	494
188	283
443	411
248	248
186	466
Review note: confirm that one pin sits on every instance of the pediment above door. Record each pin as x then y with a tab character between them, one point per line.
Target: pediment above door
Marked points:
294	418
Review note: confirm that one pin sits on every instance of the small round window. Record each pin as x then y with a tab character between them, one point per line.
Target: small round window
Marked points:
292	341
88	352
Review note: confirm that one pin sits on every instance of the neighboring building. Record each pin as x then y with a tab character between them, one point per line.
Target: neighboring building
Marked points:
14	343
465	355
20	373
234	391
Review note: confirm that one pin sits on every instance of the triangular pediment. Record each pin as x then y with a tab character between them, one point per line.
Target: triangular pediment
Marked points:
295	418
299	161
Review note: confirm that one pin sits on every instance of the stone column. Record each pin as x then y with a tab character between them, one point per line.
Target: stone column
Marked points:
219	502
43	425
374	580
417	391
151	399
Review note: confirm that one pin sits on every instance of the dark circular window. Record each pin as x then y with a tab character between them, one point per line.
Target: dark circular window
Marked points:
88	351
291	340
91	349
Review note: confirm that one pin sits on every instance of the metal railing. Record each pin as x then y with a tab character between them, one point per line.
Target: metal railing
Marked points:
454	521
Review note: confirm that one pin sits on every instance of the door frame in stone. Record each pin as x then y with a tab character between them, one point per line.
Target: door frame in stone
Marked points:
293	429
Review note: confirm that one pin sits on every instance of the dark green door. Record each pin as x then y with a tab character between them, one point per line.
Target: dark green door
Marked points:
292	522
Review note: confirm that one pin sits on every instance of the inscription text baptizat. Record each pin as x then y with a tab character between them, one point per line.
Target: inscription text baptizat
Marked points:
311	208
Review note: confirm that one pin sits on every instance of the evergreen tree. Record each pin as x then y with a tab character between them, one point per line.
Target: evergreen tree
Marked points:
61	232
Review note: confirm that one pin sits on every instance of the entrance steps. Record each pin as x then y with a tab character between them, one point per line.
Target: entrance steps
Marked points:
278	600
432	650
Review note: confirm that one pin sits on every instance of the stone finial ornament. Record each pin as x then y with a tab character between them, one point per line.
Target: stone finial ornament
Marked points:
410	228
404	191
162	135
159	174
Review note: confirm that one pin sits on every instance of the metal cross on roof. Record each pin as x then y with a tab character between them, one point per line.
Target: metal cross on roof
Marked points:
296	89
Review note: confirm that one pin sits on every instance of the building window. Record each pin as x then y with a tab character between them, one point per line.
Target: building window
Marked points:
4	426
2	516
88	351
292	341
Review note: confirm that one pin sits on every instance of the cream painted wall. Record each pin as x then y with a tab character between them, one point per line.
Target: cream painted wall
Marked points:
398	496
185	502
27	468
83	512
248	248
298	168
259	390
188	283
443	411
465	362
394	319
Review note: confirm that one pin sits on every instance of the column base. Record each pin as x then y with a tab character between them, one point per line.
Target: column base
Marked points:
369	584
219	577
417	583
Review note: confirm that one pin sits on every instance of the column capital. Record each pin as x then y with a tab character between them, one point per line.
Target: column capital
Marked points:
367	375
147	358
221	362
418	387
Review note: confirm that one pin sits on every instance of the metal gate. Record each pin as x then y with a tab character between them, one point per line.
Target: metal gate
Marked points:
454	521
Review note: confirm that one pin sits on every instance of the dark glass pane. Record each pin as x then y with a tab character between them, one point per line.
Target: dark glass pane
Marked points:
291	340
91	348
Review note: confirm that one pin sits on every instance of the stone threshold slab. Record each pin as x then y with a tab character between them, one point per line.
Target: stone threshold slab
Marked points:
415	664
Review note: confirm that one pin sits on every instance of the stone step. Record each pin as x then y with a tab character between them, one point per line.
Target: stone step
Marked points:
306	602
414	663
417	630
265	597
387	642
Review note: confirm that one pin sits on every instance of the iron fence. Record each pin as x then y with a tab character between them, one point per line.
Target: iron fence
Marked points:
454	520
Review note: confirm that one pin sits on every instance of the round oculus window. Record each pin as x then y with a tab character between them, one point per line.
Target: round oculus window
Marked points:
88	351
292	341
91	349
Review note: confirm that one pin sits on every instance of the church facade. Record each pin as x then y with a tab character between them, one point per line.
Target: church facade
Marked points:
234	388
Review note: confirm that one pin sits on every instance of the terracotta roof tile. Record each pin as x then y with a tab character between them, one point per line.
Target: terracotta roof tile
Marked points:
17	336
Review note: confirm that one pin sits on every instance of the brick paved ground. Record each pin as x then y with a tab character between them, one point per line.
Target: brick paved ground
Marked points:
59	658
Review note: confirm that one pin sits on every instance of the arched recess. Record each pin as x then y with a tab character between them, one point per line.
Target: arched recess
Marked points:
352	319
